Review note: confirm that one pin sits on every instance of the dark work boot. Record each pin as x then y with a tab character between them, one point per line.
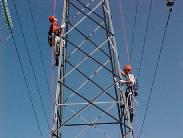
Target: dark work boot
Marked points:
131	117
57	62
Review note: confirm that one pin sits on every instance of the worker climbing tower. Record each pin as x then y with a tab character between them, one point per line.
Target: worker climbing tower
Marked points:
89	100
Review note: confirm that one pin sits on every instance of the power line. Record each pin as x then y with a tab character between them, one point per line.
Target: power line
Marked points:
26	83
42	105
157	65
133	33
39	48
145	38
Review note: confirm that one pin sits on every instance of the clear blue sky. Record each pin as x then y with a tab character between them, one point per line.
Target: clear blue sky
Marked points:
164	116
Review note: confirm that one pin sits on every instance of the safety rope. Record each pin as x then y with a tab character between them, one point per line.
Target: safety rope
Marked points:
52	82
55	2
55	5
124	31
134	27
52	72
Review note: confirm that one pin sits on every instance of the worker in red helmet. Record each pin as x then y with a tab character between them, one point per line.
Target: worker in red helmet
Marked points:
54	36
130	82
127	73
129	77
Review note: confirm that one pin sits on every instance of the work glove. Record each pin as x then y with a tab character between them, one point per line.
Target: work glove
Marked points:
122	81
63	25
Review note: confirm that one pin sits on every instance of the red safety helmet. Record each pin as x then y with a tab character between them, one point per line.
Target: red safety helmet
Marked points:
52	18
127	67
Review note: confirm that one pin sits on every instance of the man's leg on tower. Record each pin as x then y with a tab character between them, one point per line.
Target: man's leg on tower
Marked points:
57	50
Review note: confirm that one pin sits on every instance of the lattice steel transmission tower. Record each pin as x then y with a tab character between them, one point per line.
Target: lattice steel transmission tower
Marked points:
90	101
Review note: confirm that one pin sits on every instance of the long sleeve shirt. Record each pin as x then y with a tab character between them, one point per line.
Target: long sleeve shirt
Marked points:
55	28
129	80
